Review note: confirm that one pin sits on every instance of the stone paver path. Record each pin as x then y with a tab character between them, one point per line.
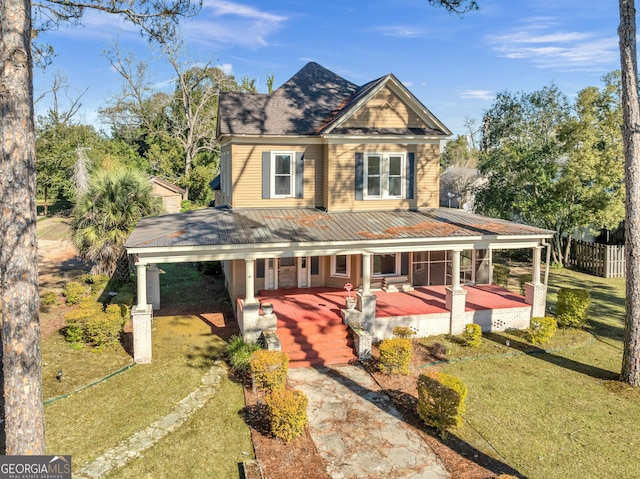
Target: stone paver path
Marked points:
135	445
357	429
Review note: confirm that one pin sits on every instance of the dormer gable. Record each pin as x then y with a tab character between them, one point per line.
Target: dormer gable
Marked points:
385	107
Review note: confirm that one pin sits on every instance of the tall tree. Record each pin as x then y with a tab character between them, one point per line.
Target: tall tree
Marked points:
23	424
630	372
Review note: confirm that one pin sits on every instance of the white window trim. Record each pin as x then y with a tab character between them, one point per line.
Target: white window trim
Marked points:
398	265
333	267
292	180
384	176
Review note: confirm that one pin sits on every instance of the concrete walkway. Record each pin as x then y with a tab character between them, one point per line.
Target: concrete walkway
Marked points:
135	445
357	429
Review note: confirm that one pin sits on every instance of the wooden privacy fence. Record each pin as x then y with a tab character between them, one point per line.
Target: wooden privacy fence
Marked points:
598	259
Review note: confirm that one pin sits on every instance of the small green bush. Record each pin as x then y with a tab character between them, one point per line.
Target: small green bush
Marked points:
572	307
501	275
403	332
541	330
96	283
239	353
49	299
395	356
74	292
522	279
186	205
472	335
89	324
287	410
441	400
269	369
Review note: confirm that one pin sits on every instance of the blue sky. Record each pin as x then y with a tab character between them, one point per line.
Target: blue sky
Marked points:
455	66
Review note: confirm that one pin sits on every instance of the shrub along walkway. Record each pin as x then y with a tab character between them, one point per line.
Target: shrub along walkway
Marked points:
135	445
358	430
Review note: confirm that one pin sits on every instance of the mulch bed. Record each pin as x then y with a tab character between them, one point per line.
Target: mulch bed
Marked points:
300	458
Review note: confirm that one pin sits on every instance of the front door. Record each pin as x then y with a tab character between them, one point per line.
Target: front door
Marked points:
287	277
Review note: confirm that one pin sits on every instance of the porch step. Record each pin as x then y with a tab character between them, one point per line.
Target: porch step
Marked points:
315	343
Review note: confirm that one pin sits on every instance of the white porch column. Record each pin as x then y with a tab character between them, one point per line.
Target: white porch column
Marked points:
153	286
141	282
249	296
455	275
141	315
537	257
366	274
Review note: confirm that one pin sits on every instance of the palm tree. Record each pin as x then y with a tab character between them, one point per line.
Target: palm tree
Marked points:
106	214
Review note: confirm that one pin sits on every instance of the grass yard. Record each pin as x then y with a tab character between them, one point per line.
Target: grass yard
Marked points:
560	414
85	424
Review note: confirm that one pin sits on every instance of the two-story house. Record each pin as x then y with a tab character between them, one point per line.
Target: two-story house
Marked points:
325	183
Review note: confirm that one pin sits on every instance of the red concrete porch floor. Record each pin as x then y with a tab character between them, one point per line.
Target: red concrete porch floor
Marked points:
309	304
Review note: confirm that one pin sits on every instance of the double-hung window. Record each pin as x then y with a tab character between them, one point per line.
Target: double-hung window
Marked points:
282	168
384	175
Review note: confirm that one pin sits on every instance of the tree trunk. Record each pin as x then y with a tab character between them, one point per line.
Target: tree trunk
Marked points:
21	364
46	199
567	251
630	373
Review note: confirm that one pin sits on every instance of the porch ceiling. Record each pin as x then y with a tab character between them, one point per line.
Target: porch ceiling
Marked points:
222	234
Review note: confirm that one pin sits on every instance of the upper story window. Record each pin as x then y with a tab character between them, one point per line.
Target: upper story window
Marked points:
283	174
385	175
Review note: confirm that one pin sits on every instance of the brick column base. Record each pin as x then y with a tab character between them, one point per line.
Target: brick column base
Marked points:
536	296
141	317
455	302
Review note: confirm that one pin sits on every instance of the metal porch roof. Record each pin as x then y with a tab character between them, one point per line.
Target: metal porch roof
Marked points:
227	227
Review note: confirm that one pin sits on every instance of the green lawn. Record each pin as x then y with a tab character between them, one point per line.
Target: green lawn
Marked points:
560	414
85	424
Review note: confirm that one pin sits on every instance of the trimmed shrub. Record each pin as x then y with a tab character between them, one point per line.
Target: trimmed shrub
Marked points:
89	324
441	400
395	356
239	353
269	369
74	292
125	302
403	332
472	335
96	282
287	410
572	307
501	275
49	299
522	279
541	330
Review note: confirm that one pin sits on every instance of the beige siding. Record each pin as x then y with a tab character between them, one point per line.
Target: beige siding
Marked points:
384	110
247	176
341	177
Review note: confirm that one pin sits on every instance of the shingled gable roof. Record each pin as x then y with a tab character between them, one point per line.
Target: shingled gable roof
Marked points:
301	106
314	101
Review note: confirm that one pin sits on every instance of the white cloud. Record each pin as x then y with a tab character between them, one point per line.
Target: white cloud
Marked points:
477	94
227	68
401	31
232	23
541	41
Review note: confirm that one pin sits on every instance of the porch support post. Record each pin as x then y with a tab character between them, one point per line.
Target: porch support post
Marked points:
141	315
153	285
366	274
535	293
249	314
141	284
456	297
